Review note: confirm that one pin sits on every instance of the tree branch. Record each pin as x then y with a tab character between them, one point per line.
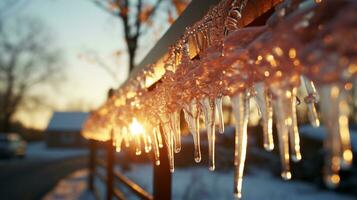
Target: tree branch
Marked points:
151	16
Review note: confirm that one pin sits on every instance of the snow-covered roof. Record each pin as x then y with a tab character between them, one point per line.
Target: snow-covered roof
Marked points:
67	121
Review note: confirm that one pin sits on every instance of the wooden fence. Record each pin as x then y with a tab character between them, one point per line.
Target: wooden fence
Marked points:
161	175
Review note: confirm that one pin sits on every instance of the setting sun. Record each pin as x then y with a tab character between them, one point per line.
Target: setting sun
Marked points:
136	128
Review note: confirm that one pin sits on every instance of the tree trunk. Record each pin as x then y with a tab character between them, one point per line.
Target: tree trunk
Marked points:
131	53
5	124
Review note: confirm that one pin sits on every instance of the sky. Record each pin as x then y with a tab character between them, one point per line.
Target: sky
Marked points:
79	28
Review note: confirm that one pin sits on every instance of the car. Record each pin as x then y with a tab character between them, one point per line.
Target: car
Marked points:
12	145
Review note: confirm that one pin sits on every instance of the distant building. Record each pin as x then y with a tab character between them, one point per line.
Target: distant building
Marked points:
64	129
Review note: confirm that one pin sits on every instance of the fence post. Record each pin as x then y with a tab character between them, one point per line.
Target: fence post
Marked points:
110	166
92	156
162	177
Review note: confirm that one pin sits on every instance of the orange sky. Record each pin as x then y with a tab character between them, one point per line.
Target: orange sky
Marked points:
80	27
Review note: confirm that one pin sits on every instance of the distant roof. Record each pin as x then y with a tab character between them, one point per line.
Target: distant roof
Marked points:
67	121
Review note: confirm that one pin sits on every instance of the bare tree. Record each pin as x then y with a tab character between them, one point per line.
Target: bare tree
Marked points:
27	60
137	17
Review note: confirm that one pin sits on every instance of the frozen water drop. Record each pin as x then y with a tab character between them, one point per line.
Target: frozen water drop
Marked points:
286	175
332	180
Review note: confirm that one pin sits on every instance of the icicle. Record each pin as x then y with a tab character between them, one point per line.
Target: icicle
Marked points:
126	136
169	141
334	112
345	132
208	108
294	137
330	115
263	99
156	146
192	114
175	126
282	110
311	98
220	114
118	141
158	136
240	106
147	143
137	145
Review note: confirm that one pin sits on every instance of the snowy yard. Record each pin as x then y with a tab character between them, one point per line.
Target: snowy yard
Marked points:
198	183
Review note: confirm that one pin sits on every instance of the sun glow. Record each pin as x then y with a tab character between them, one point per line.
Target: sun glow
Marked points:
136	128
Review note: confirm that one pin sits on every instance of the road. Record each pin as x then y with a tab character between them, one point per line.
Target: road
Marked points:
36	174
28	179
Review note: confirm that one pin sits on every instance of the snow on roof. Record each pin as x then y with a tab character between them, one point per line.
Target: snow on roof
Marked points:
67	121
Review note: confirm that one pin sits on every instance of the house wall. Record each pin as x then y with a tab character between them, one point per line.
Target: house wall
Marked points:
64	139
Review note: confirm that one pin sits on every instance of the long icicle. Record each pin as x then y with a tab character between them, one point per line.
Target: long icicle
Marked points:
146	144
311	98
159	136
263	98
294	137
240	106
208	108
175	126
155	145
334	114
330	113
192	114
118	139
347	155
137	145
169	141
220	114
126	136
282	105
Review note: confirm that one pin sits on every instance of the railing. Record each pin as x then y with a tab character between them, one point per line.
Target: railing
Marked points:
162	184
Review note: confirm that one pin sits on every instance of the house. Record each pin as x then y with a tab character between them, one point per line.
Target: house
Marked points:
64	129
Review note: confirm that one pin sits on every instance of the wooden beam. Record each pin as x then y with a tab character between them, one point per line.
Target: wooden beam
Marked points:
193	13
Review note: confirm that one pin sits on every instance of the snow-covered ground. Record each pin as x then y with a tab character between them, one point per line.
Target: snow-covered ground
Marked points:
71	188
37	151
198	183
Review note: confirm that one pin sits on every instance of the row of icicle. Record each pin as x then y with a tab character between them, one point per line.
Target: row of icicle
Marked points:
268	64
